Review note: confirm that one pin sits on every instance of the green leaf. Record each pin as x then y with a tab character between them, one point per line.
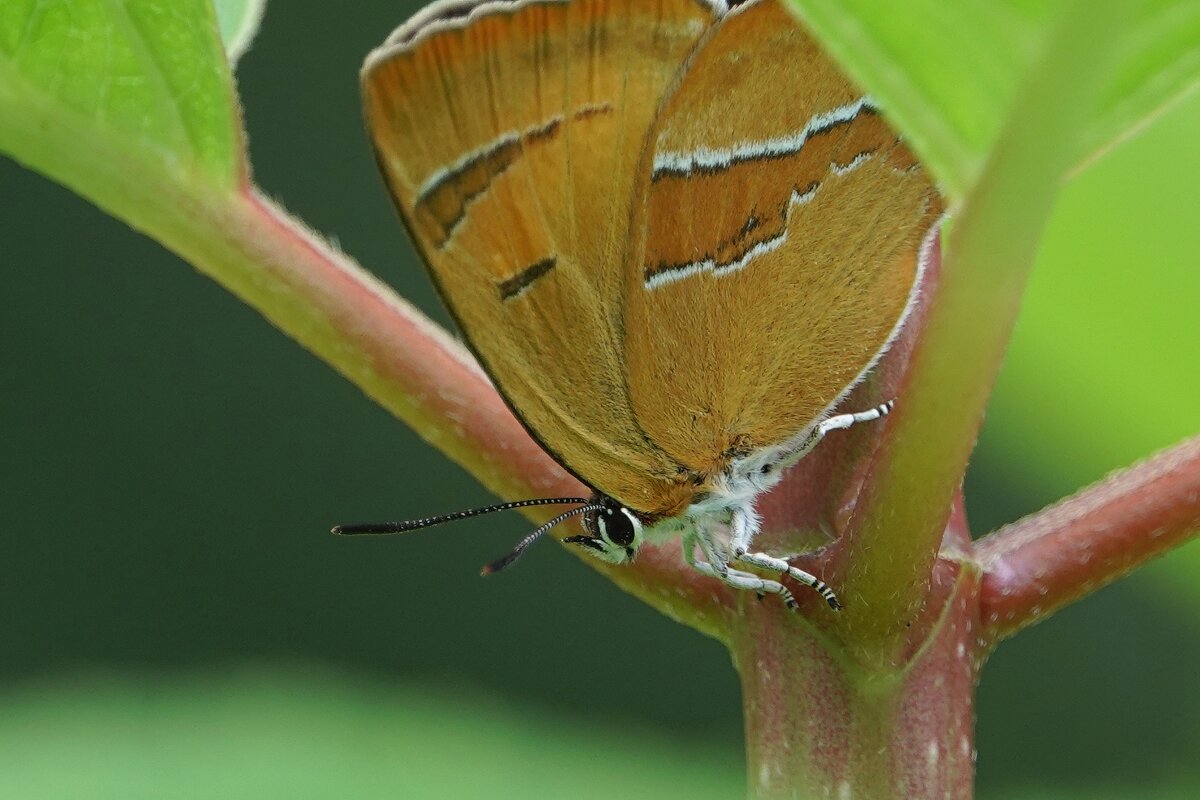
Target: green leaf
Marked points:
1159	64
104	94
948	72
238	21
945	72
288	734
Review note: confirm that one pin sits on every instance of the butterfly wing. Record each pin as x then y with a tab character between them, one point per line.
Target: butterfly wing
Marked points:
510	135
775	243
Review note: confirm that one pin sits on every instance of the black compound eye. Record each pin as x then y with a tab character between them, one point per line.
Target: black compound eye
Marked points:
619	527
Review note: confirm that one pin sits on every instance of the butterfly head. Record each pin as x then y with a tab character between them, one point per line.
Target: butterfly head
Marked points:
614	532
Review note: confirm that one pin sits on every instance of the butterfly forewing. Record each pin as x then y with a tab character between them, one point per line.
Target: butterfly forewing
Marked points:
510	134
774	244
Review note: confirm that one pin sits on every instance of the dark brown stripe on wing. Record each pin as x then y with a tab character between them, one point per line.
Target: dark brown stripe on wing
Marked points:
755	233
442	205
757	200
713	163
446	13
519	283
450	14
593	109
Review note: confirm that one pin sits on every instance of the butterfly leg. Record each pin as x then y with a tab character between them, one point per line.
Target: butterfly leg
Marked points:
835	423
743	527
733	577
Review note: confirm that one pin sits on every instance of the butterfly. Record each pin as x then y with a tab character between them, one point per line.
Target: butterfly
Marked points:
674	234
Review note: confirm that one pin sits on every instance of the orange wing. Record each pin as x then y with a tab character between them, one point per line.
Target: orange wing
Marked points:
775	243
510	135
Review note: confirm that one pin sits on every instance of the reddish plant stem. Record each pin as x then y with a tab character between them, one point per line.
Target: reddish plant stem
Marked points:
822	722
403	361
1043	562
419	373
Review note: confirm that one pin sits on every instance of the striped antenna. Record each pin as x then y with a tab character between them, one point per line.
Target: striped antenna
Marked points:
516	552
387	528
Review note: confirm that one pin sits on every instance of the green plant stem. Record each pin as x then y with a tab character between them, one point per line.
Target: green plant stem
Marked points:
891	543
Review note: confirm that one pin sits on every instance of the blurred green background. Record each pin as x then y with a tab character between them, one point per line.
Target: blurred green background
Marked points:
178	623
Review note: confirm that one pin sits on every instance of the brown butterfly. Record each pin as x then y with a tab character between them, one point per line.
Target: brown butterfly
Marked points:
673	233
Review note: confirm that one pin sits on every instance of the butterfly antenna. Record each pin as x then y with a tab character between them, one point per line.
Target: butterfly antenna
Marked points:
516	552
385	528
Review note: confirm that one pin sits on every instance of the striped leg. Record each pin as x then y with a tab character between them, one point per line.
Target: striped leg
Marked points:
743	529
764	561
733	577
839	422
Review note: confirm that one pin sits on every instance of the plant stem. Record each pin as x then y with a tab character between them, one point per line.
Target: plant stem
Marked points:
890	545
412	368
1050	559
822	723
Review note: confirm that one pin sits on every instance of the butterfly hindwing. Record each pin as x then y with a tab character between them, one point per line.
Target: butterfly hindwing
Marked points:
774	243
